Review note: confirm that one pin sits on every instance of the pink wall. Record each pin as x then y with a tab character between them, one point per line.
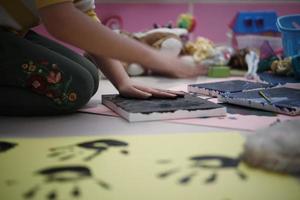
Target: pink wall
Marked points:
137	17
212	18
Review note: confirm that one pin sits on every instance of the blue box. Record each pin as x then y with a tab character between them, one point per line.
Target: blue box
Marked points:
289	26
254	22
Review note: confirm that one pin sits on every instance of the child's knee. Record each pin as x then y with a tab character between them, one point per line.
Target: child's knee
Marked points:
78	90
67	88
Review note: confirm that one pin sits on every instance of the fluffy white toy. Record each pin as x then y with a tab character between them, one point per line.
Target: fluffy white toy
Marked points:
165	39
276	148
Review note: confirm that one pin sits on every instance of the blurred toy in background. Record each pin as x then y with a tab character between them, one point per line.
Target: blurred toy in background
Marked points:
282	67
289	66
114	22
184	37
237	60
275	62
266	50
175	40
276	148
267	56
258	31
252	60
186	21
245	59
204	51
168	25
200	49
249	29
289	27
164	39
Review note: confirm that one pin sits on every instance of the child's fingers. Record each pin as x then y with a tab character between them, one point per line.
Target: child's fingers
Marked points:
133	92
177	93
157	92
201	70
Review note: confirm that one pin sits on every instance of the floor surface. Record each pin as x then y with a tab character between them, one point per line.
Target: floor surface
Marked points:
91	124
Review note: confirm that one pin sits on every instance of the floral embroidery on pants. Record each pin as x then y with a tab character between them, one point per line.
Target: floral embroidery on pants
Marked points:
47	79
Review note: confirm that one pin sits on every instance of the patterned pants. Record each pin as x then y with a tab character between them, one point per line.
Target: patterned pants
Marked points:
41	77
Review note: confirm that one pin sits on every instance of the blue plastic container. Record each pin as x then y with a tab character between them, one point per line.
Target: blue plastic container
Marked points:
289	26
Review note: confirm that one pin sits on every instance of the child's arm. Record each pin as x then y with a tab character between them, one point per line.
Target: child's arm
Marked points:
114	68
70	25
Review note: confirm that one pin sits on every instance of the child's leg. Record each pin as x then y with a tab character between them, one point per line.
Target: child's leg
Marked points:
37	81
54	46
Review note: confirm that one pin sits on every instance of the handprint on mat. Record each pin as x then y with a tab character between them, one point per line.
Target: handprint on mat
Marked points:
215	163
55	177
5	146
97	146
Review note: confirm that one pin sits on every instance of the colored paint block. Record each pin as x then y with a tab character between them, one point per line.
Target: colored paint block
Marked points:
216	88
281	100
188	106
219	71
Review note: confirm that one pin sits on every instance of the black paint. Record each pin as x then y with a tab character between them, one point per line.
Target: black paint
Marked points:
188	178
276	79
241	110
282	98
63	175
225	162
98	146
56	174
188	102
203	162
5	146
231	86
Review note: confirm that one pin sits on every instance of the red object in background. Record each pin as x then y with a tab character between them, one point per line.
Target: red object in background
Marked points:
114	22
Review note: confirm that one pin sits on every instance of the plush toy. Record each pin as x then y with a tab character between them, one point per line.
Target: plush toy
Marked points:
204	51
186	21
173	40
238	61
164	39
282	67
276	148
201	49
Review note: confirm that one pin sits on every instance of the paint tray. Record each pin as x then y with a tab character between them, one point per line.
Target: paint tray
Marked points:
281	100
189	106
216	88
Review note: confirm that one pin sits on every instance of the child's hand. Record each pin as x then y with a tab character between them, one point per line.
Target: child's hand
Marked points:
172	66
142	92
183	70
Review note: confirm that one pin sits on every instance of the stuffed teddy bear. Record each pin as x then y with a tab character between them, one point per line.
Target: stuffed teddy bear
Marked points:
175	41
164	39
282	67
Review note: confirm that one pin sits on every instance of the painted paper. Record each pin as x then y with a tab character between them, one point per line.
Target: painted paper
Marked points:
177	166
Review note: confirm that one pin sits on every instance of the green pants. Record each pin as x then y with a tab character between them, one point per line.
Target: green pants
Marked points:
41	77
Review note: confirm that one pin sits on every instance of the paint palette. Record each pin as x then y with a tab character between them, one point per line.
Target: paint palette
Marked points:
216	88
282	100
188	106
